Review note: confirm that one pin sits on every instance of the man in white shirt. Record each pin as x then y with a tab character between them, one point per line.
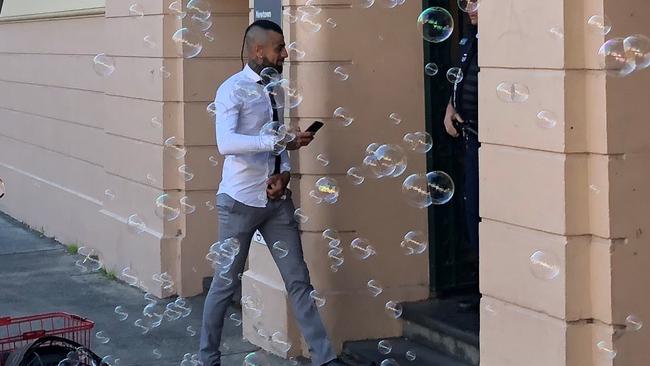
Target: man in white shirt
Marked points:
253	195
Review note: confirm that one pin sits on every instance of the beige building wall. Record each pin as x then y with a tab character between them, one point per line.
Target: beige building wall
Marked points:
575	191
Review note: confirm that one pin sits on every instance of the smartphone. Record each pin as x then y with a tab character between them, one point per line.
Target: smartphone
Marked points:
317	125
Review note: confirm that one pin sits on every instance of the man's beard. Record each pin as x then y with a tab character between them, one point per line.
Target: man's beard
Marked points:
267	63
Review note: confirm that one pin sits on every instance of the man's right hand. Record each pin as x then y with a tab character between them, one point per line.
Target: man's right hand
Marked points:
450	117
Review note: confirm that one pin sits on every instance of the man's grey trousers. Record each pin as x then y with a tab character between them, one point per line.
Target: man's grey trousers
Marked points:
276	223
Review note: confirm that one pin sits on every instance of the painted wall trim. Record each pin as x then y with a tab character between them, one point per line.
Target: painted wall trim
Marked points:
53	15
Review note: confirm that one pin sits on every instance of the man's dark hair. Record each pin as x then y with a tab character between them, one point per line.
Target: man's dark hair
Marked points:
263	24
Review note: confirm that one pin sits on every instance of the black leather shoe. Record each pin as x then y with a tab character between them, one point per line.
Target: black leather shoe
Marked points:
335	362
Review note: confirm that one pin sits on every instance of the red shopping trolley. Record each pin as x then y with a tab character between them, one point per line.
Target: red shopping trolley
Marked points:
16	332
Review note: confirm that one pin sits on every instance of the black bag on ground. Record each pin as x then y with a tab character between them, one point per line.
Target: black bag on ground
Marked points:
50	351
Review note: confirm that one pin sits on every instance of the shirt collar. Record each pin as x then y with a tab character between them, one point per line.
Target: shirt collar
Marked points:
249	73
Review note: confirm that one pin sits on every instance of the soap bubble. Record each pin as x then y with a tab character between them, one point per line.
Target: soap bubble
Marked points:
637	47
393	309
108	193
284	94
372	147
331	234
164	208
269	75
614	59
122	315
423	190
110	360
186	207
633	323
331	22
291	16
172	147
364	3
362	248
410	355
315	196
355	176
129	276
277	132
544	265
546	119
384	347
435	24
201	24
318	299
104	65
148	41
156	354
139	323
600	24
136	10
199	8
390	3
258	358
102	337
512	92
395	118
136	224
336	258
455	75
387	160
292	49
389	362
322	158
415	242
176	8
190	331
343	115
188	43
469	6
186	172
245	91
431	69
328	189
300	216
213	160
209	36
557	32
281	249
607	349
280	342
342	73
307	21
375	288
420	142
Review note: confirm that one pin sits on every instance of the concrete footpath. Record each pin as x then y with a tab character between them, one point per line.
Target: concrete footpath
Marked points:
38	275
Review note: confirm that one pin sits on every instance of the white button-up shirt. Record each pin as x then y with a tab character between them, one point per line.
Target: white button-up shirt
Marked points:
249	160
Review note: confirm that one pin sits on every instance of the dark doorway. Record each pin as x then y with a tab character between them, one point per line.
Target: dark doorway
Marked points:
453	270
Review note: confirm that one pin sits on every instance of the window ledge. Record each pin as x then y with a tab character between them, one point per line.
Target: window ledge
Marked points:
53	15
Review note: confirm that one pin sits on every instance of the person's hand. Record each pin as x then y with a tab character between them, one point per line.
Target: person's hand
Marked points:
450	117
277	184
302	139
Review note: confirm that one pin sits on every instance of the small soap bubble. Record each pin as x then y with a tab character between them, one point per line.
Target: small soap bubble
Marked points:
209	36
136	10
165	209
424	190
199	8
328	189
364	3
156	354
270	75
102	337
607	349
318	299
557	32
148	41
544	265
384	347
186	207
342	73
372	147
108	193
129	276
314	195
211	109
173	148
236	319
410	355
156	122
637	48
455	75
435	24
200	24
633	323
213	160
176	8
190	331
469	6
281	342
139	323
104	65
362	248
419	142
122	315
387	160
300	216
281	249
355	175
389	362
414	242
546	119
395	118
331	22
614	58
322	158
110	360
164	73
331	234
431	69
343	115
186	173
393	309
136	224
295	52
599	24
512	92
258	358
290	15
188	43
375	288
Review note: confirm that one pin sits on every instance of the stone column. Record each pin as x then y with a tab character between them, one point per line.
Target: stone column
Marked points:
563	255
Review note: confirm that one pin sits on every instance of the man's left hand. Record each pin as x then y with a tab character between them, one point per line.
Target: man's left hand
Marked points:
277	185
302	139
